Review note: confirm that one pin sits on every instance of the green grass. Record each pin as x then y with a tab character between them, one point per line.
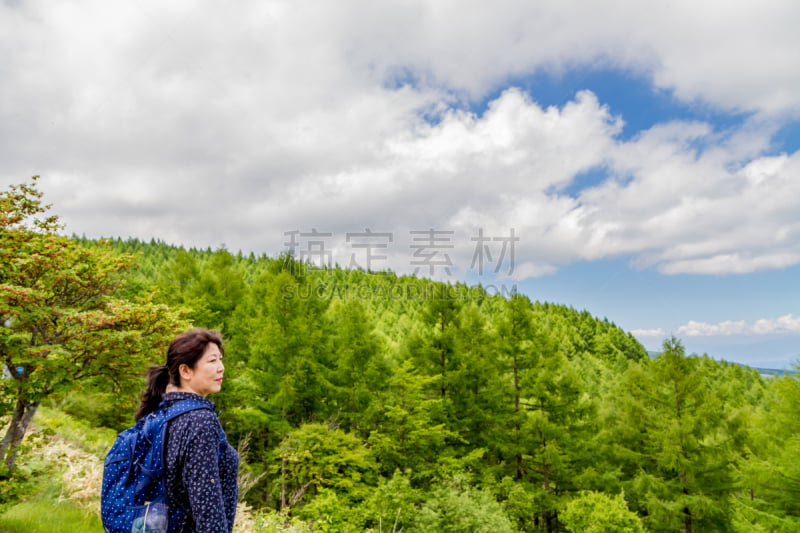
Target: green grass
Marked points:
91	439
37	501
39	498
44	513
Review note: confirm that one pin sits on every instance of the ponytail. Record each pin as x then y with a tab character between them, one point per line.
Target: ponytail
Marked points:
157	381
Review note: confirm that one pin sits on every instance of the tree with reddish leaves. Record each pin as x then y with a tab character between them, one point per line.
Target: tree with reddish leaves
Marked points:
61	321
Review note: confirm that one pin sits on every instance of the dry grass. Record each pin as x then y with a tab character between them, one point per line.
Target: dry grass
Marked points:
82	477
74	455
245	523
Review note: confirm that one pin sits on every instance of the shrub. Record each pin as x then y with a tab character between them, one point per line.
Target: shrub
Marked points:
597	512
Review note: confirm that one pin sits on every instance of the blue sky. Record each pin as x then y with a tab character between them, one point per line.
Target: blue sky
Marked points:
643	299
646	154
627	94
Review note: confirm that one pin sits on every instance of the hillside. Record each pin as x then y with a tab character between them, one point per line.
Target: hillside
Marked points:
369	398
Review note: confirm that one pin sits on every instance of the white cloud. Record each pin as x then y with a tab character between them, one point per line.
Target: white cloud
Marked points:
689	211
204	125
741	57
657	332
784	324
765	326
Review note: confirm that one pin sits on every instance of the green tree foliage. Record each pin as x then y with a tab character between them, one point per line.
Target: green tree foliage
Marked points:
771	473
406	436
550	417
434	348
515	347
61	321
314	457
456	505
376	402
280	351
391	506
359	368
597	512
211	285
678	442
477	382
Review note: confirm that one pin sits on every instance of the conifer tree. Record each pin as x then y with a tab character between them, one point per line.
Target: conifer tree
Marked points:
677	442
281	352
358	365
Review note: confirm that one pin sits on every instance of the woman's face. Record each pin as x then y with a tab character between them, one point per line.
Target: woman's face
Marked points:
206	376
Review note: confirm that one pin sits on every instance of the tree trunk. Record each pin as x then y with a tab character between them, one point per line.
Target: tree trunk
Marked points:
687	513
546	477
283	483
443	358
23	414
517	428
548	518
443	364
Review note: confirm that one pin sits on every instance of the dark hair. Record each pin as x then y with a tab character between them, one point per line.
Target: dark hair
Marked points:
185	349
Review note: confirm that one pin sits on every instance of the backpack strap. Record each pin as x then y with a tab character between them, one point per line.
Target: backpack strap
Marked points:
155	429
177	409
182	406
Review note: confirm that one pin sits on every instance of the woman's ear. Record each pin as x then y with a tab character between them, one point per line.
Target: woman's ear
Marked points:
185	372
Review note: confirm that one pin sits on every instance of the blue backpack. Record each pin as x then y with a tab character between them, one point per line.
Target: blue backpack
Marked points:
134	496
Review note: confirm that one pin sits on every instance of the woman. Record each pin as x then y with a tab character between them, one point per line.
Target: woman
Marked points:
201	467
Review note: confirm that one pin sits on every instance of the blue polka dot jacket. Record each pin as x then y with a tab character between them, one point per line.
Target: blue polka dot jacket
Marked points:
201	468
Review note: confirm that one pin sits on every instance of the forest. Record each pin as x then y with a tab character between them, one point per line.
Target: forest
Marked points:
371	401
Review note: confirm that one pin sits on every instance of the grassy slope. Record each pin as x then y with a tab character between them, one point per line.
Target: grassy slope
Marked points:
60	474
62	461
